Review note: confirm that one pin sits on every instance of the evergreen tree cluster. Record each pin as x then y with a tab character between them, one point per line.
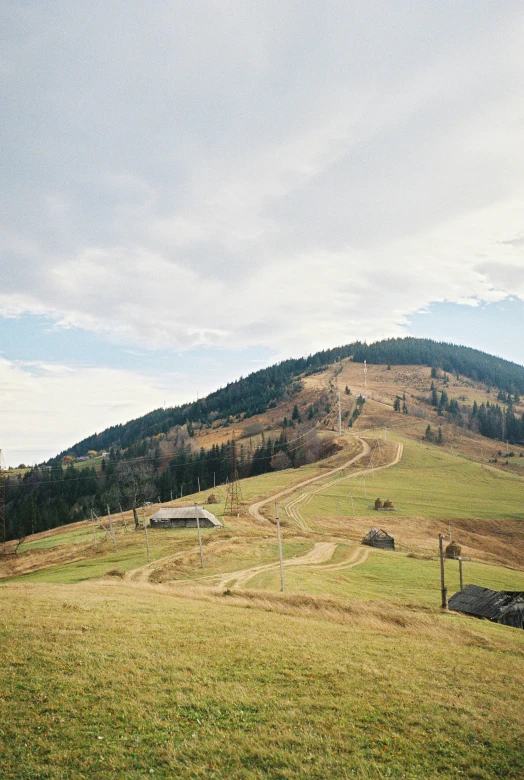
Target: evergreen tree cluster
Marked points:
51	496
246	397
454	359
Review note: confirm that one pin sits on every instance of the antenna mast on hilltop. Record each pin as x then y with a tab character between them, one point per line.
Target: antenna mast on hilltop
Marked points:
233	492
2	500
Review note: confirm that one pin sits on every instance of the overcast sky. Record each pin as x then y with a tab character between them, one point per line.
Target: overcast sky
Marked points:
192	190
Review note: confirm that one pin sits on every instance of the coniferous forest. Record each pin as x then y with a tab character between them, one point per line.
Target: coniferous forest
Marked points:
137	469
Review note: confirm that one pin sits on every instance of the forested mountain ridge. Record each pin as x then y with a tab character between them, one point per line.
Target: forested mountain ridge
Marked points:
472	363
172	452
256	393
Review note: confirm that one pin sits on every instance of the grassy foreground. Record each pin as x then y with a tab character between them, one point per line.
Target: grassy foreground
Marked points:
106	680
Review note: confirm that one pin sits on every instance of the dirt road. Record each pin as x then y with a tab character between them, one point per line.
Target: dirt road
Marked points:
254	509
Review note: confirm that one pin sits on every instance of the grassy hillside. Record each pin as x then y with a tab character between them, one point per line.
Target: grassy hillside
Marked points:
101	680
116	664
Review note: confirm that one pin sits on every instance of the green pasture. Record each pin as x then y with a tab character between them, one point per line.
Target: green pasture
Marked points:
388	576
78	536
101	681
428	482
130	553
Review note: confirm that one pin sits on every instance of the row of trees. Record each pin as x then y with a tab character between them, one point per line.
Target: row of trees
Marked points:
54	495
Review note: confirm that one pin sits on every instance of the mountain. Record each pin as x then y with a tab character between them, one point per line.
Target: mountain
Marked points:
267	387
279	417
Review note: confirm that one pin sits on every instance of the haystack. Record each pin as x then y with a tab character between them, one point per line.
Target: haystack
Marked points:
453	550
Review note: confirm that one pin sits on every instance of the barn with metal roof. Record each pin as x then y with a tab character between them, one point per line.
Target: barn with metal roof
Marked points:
500	606
184	517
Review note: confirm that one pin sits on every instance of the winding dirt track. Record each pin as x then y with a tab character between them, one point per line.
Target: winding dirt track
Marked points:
254	509
318	556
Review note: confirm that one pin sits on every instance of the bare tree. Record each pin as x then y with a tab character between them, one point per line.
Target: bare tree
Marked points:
136	485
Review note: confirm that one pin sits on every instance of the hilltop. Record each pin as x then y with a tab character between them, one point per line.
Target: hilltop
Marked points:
279	417
134	660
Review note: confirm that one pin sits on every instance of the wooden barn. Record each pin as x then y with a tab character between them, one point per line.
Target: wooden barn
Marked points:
184	517
500	606
381	539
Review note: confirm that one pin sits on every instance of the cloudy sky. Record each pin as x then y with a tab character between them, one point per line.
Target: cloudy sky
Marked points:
193	190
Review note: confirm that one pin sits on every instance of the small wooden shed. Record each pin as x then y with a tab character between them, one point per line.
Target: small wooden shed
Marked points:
381	539
184	517
500	606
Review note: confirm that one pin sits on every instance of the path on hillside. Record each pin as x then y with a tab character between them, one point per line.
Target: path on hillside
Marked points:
318	556
315	558
254	509
292	509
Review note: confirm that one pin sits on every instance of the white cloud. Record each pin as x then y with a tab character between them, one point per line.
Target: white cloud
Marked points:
242	173
47	408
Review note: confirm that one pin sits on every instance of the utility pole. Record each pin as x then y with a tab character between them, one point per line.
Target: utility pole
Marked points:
145	531
443	589
233	493
280	549
94	527
339	416
111	532
198	480
365	373
123	518
199	537
460	572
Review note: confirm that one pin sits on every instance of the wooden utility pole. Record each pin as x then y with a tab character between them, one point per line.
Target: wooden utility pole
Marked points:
123	518
198	480
280	549
460	572
94	527
444	590
111	532
145	531
199	537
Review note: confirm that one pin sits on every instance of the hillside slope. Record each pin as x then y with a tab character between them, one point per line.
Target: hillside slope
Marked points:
283	416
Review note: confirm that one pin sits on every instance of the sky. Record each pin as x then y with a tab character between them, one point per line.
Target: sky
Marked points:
192	191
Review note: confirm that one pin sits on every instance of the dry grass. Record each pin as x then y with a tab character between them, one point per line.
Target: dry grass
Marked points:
106	679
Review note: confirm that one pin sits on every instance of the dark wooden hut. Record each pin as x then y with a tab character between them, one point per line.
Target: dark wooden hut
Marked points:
500	606
184	517
381	539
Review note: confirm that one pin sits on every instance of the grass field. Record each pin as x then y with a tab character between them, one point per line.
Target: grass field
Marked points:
100	680
168	671
428	482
